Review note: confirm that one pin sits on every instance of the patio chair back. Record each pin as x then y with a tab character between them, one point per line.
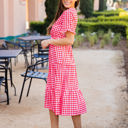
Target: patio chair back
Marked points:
31	73
41	55
25	46
42	51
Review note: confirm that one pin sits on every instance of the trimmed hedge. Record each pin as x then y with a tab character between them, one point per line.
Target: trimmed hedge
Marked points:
127	33
38	26
117	27
107	13
102	18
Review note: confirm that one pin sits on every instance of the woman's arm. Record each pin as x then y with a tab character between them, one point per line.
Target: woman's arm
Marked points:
68	40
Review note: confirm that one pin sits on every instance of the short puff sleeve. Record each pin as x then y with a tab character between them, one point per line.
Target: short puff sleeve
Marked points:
69	22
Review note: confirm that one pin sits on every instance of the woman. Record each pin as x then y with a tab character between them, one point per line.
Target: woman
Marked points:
62	95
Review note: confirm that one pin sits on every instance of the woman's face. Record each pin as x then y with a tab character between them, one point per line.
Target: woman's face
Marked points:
69	3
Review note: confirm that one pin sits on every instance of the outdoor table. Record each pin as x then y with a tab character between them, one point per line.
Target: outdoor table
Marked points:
7	55
34	38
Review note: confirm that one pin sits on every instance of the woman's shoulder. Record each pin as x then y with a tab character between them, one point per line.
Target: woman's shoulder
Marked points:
73	10
70	11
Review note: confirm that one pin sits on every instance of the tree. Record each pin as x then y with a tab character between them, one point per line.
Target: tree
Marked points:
50	9
102	5
93	3
86	7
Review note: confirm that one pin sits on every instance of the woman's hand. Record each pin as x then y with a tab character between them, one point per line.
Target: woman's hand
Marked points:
45	43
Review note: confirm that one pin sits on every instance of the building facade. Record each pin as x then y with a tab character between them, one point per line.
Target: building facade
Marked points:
15	15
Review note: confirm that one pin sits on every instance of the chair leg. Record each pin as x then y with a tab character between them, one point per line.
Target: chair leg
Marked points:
32	57
26	59
22	90
42	63
36	66
29	87
12	84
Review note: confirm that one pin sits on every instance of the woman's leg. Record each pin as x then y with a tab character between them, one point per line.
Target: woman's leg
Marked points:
54	119
77	121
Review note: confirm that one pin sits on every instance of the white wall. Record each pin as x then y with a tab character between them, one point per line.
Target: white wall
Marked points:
41	10
3	18
96	5
12	17
19	17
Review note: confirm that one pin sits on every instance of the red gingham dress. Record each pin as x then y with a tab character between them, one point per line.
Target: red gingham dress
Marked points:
62	94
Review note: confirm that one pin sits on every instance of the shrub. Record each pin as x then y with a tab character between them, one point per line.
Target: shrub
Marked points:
79	39
87	34
102	43
100	34
110	32
95	38
91	40
91	37
107	38
116	39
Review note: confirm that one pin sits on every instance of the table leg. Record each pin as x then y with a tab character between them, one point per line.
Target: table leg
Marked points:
26	59
6	86
11	78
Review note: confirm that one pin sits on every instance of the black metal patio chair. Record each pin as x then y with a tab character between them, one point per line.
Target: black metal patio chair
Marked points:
4	80
31	73
8	62
41	54
25	46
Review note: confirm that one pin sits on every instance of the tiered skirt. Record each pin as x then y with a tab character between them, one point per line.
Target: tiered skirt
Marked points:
62	94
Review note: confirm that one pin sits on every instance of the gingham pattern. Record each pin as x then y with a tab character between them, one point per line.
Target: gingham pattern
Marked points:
62	94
